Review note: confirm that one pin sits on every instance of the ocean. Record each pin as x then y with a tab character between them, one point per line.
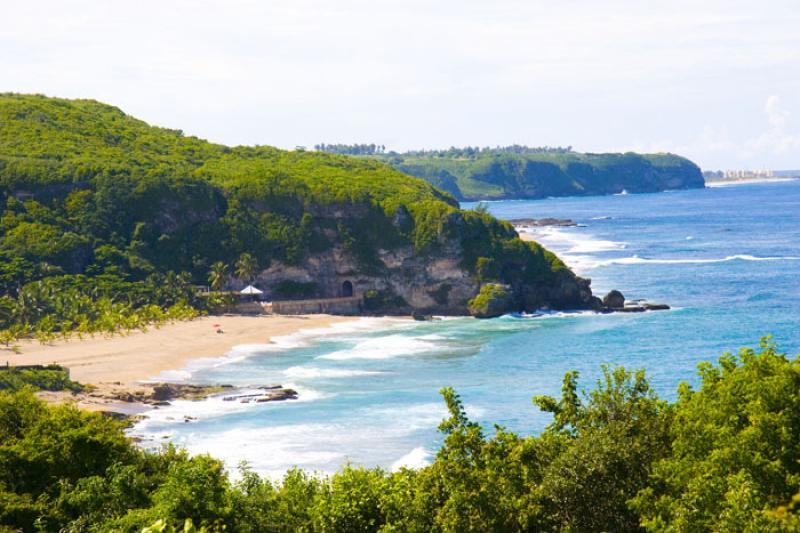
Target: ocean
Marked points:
727	259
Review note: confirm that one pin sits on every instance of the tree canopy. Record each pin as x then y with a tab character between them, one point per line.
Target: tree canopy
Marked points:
723	457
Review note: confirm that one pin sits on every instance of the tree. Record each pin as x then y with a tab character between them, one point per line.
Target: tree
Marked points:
218	275
247	267
608	444
735	453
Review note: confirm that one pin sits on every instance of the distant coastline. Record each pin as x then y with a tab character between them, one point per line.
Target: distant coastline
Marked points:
745	181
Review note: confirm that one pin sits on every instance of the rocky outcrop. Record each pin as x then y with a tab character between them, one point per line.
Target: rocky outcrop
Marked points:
493	300
270	393
434	283
614	300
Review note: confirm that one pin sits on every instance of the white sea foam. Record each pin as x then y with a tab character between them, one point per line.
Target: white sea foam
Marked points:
543	314
580	242
307	394
309	372
384	348
316	446
280	343
206	409
171	376
216	406
272	450
416	458
636	260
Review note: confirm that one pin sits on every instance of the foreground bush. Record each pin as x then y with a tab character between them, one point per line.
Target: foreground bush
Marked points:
721	458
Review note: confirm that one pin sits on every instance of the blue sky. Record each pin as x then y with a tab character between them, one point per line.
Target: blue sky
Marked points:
717	82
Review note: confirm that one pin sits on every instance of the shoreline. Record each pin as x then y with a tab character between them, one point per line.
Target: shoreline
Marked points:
746	181
123	369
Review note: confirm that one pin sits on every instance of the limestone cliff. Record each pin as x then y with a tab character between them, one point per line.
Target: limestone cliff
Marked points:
402	280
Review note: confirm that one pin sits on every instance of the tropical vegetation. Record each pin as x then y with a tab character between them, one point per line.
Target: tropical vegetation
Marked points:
47	377
721	457
106	222
524	172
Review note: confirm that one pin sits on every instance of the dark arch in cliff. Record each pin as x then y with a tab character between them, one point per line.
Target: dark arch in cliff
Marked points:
347	289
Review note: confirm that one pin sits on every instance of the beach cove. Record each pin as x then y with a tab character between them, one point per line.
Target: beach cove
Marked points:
369	392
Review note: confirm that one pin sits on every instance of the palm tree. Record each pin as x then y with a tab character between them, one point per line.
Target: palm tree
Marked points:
246	267
218	275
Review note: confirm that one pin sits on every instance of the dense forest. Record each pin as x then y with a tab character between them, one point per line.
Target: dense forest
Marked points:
453	151
351	149
722	457
509	174
518	171
106	221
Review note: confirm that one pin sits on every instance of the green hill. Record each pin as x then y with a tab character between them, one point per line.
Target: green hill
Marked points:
491	174
99	203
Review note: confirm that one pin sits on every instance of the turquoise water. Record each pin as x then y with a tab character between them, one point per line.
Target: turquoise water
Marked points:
727	259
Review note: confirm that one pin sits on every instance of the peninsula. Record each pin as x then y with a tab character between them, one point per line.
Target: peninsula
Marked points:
523	172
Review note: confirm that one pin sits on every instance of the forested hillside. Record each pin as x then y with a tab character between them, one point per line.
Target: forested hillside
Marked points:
722	457
536	172
97	206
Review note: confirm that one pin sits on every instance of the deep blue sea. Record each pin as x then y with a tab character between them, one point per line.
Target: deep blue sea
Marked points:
726	258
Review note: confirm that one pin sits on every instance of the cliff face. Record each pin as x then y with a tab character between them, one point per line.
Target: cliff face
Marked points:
402	280
409	283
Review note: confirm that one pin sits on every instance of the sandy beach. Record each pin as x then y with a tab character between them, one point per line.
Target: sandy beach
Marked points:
117	364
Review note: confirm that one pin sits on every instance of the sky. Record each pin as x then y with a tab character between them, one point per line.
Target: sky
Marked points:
717	81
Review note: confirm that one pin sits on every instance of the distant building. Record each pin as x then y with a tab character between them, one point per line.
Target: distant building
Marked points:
739	174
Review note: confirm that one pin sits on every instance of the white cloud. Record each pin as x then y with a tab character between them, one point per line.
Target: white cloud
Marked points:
749	151
777	116
778	139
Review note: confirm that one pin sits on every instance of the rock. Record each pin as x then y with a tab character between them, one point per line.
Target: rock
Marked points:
656	307
121	417
163	392
241	397
418	315
278	396
494	299
273	393
614	300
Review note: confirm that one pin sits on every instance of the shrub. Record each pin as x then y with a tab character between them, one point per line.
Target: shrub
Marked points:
492	300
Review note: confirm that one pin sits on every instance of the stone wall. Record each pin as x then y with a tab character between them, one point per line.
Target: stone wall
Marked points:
330	306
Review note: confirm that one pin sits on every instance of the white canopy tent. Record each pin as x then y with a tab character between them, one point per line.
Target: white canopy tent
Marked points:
251	293
251	290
